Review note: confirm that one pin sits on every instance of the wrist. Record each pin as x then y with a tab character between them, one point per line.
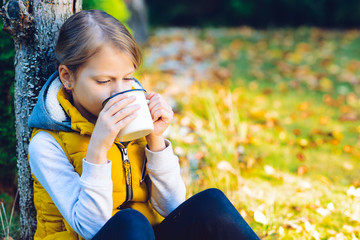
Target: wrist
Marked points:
96	157
155	143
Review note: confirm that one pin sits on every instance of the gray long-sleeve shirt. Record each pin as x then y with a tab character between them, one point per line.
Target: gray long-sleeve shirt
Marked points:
86	201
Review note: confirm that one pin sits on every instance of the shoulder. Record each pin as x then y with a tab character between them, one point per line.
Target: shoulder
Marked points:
43	139
44	144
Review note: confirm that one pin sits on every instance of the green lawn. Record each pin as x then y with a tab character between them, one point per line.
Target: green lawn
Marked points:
272	118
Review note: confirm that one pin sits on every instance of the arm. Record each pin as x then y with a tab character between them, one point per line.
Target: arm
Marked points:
167	187
80	199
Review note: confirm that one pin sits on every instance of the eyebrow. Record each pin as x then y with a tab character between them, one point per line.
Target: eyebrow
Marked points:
109	76
132	71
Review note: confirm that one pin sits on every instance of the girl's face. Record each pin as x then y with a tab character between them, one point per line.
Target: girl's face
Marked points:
104	74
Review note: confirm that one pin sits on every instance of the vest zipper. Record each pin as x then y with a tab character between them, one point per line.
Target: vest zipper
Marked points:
143	172
128	176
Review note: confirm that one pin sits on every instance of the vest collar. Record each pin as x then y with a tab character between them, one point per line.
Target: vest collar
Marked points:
78	122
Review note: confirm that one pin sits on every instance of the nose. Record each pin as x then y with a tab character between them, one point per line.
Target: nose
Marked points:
118	86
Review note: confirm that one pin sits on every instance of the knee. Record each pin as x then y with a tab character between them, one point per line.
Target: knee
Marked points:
134	223
214	202
213	196
127	224
131	218
213	193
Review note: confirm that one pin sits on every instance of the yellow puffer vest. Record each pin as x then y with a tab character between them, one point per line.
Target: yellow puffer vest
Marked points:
50	223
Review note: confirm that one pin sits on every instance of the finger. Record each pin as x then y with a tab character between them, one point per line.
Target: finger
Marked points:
125	121
156	101
150	95
110	121
117	106
154	97
162	114
160	105
123	113
114	100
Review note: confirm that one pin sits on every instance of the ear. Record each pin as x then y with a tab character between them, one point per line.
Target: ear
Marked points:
66	77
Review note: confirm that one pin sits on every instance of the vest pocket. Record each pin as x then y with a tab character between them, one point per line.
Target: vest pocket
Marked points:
49	225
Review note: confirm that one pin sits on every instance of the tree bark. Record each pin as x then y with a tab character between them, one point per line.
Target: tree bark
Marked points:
34	25
138	21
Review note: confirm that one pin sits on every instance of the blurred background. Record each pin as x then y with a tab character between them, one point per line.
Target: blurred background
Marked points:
266	101
256	13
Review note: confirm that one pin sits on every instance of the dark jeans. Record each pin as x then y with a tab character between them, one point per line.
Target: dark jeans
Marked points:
206	215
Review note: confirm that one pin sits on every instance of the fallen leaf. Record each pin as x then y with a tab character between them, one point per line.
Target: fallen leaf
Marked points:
316	235
303	106
185	121
199	155
348	149
338	236
308	227
226	167
302	170
353	192
331	207
326	84
323	211
348	228
269	170
349	117
331	232
324	120
297	132
348	166
293	226
243	213
300	156
281	230
260	217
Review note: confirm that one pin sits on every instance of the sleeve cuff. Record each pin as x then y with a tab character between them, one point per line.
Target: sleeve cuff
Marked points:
162	160
96	174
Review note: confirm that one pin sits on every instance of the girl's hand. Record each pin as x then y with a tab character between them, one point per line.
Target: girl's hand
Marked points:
162	115
115	115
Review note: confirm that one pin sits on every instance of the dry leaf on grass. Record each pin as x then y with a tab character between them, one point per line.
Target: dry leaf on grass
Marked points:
260	217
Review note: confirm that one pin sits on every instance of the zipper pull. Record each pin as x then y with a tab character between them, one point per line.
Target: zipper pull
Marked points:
125	154
128	176
127	167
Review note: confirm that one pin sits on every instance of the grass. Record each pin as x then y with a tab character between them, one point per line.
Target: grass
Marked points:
8	228
273	121
328	170
270	117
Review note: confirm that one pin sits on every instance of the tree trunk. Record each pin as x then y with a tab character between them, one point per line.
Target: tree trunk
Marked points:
34	25
138	21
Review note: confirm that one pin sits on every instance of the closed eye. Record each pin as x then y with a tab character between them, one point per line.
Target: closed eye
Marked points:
128	78
102	82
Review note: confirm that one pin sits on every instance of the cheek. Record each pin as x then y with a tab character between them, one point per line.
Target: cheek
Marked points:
129	85
125	85
91	100
97	101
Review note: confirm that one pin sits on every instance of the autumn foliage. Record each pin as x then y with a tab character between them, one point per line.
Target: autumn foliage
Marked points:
269	117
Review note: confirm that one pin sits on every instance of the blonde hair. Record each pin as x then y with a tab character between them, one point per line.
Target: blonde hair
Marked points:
84	33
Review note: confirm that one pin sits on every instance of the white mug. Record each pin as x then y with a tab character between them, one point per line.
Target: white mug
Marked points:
142	125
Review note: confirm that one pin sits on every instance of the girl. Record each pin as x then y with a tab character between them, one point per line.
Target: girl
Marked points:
83	185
